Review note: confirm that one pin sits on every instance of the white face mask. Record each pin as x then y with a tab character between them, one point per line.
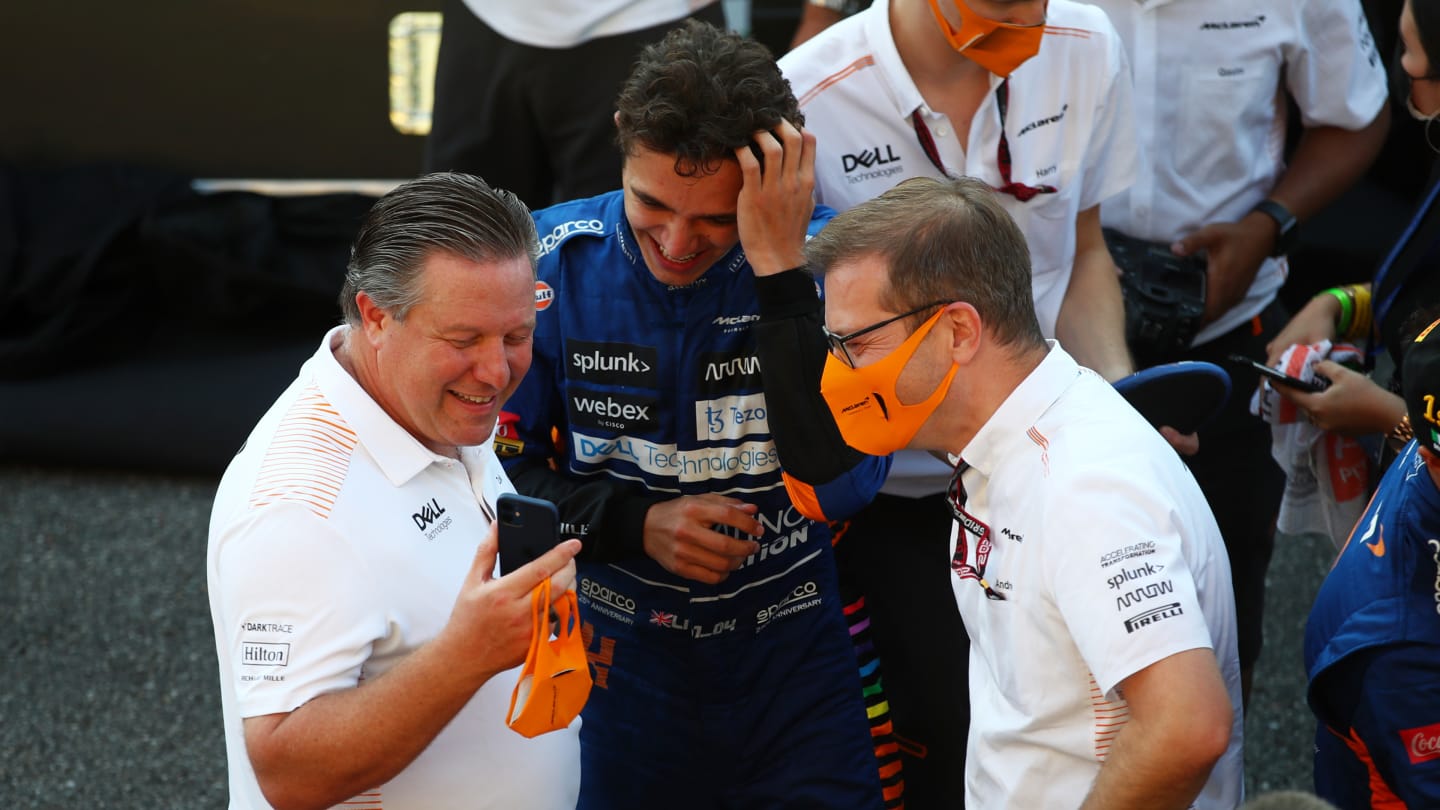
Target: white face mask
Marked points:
1415	111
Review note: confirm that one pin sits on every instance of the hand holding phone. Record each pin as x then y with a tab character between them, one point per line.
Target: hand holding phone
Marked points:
529	527
1278	377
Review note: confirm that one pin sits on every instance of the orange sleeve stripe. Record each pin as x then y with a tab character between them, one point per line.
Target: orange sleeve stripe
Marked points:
837	77
804	497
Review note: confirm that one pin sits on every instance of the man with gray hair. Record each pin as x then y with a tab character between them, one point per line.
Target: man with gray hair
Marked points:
366	647
1083	558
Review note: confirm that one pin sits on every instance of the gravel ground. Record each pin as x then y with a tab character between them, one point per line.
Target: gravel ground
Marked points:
109	694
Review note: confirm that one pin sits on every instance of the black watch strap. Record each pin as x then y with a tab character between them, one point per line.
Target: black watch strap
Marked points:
1288	226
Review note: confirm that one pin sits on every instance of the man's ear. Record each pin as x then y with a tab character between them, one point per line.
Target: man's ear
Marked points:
966	331
373	320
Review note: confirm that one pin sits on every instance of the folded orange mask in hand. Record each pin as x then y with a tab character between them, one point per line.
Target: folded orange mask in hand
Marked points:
555	682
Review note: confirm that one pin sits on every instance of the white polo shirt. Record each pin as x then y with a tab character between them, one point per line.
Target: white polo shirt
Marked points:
338	544
1068	125
1109	561
566	23
1210	107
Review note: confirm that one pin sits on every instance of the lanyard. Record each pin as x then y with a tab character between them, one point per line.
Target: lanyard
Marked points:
969	524
1019	191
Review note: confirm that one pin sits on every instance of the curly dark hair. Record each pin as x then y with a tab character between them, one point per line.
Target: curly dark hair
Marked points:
700	94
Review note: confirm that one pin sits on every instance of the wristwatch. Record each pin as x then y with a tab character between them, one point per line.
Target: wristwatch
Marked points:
1285	221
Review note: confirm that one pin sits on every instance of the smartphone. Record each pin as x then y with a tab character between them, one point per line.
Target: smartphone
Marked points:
529	527
1276	376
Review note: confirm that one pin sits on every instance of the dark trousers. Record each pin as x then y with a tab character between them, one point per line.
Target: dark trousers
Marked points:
897	554
1239	477
535	121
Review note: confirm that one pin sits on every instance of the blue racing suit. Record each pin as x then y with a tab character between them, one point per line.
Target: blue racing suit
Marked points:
1372	651
741	694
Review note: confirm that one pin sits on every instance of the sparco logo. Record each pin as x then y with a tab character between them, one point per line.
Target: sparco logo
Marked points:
1152	616
1230	25
869	158
1142	593
804	596
565	230
613	363
600	593
1146	570
1422	744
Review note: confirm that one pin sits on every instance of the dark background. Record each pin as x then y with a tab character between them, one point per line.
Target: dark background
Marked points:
108	692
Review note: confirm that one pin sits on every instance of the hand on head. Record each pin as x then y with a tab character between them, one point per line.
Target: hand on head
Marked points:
777	198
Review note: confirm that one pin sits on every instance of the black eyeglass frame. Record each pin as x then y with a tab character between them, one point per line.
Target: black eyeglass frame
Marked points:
837	343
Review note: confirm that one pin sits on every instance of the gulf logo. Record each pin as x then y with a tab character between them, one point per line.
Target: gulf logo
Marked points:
544	295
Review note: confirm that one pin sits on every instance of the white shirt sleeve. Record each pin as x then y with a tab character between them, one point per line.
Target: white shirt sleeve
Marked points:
1121	581
297	620
1332	69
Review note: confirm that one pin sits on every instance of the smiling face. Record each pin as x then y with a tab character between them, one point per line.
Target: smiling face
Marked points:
445	370
682	224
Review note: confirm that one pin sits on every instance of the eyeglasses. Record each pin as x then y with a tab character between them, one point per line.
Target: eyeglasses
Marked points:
969	525
837	342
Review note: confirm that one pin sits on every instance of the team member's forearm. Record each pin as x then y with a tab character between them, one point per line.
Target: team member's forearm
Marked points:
1326	162
1091	323
1179	727
344	743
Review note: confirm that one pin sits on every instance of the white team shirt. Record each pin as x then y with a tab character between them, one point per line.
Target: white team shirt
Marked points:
1210	107
566	23
338	544
1068	125
1109	561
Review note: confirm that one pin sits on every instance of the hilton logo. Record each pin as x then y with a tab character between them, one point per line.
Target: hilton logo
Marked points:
254	654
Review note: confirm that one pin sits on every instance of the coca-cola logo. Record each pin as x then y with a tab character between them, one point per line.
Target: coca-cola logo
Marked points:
1422	744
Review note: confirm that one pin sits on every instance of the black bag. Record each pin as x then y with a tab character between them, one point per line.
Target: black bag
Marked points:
1164	297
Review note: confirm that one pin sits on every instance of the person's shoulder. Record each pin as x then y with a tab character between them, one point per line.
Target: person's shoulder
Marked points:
830	55
1075	25
591	217
1087	16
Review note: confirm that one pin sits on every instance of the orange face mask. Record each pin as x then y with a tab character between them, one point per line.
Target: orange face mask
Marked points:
998	47
555	682
863	401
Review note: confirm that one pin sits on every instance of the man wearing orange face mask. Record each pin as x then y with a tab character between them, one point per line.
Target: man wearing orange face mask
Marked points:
1033	98
1085	561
